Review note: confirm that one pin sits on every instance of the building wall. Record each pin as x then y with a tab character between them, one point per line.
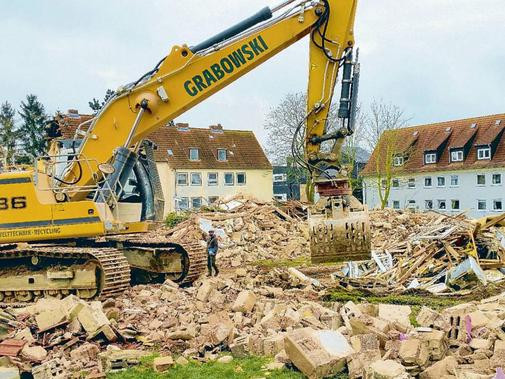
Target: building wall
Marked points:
258	184
467	192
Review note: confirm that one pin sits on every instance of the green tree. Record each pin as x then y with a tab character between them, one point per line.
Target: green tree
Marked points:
96	105
8	133
32	128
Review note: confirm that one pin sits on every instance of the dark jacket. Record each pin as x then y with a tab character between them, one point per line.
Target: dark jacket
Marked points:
212	243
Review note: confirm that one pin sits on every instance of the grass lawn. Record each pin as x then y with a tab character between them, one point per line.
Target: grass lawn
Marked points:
244	368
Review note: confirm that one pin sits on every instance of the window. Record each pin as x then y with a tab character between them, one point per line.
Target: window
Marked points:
182	203
455	205
196	179
496	178
481	179
481	205
396	183
430	158
213	199
170	152
396	204
457	156
398	161
483	153
428	182
229	179
412	183
281	197
221	155
411	204
279	178
194	154
212	179
384	183
497	205
196	202
241	178
442	204
441	181
428	204
454	180
182	179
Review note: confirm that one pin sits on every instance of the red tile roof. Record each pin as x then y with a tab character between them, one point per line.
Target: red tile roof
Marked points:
243	149
432	136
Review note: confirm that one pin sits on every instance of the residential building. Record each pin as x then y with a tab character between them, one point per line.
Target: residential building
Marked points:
198	166
288	183
452	167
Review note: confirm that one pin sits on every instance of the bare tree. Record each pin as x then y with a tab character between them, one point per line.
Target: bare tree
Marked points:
282	122
381	123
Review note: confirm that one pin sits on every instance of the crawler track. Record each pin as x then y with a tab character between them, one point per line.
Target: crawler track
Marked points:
112	272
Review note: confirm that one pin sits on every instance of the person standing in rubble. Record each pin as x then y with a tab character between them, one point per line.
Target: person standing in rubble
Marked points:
212	248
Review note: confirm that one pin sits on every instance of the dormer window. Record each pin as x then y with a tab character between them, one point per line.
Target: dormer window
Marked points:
430	158
398	161
221	155
457	156
194	154
484	153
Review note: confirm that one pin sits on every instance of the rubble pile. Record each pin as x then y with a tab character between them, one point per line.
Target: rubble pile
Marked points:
427	251
249	231
245	313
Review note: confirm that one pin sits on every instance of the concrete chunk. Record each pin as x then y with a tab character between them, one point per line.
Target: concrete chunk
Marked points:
387	369
414	352
205	290
92	318
9	373
444	367
395	313
162	364
34	353
437	344
317	354
50	317
245	302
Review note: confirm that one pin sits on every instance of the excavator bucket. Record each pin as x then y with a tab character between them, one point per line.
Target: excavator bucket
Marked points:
340	233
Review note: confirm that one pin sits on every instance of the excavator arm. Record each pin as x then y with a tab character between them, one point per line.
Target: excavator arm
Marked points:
189	75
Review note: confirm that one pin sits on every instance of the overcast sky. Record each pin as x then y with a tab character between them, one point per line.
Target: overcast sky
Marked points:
436	59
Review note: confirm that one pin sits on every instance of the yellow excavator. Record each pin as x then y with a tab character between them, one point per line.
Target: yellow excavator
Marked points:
73	224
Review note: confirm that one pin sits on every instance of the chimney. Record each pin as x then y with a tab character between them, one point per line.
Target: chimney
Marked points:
216	128
73	113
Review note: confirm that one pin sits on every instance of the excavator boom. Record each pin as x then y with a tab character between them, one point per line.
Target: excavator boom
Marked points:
80	191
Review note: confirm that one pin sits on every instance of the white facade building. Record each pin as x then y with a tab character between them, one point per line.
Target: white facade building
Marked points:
477	193
450	167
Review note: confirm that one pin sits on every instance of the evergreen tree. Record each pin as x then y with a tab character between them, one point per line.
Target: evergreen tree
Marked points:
96	105
32	128
8	133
